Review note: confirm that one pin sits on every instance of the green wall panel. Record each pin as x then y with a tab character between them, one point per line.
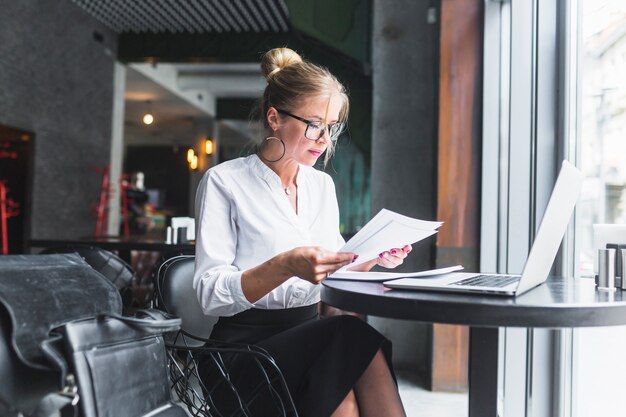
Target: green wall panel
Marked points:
345	25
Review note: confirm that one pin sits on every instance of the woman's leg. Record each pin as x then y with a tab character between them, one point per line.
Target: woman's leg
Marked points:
376	391
348	407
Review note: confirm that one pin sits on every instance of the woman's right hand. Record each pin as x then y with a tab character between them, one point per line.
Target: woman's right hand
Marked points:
310	263
315	264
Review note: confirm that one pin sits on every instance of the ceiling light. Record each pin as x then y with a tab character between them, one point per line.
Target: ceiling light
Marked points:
148	118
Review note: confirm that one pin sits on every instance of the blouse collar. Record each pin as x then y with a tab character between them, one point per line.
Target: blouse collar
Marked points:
265	172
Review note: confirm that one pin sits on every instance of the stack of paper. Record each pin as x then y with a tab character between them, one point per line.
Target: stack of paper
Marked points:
387	230
388	276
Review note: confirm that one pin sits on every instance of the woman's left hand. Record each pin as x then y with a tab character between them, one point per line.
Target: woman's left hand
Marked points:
388	259
393	257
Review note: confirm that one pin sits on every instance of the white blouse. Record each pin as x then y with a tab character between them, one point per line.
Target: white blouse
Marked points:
244	218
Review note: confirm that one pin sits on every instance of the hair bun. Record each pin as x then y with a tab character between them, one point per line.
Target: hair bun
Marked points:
277	59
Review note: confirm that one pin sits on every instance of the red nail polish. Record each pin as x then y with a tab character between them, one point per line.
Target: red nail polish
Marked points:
393	251
354	258
380	255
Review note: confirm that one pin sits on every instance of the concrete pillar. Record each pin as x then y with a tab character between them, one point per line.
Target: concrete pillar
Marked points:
117	149
405	65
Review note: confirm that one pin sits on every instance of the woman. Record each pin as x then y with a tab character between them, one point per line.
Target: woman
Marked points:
268	229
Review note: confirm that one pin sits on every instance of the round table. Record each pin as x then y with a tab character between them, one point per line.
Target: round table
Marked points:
558	303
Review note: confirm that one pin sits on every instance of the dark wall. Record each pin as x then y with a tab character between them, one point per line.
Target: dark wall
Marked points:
56	80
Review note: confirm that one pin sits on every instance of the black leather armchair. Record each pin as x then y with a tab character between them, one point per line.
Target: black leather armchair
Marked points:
39	294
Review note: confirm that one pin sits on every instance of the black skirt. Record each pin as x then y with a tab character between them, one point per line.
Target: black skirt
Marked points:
320	359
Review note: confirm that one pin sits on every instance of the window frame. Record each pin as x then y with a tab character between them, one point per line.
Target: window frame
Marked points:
524	131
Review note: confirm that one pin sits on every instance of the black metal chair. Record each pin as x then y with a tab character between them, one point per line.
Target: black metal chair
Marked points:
220	394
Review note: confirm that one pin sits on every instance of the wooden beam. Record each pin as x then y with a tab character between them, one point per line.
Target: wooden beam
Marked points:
460	115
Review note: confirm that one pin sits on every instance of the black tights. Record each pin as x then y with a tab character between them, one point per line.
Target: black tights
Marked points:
375	393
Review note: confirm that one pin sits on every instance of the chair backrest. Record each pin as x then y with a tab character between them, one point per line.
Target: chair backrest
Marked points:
217	394
111	266
175	294
107	263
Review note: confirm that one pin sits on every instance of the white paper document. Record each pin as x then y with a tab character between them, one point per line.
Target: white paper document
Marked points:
387	276
387	230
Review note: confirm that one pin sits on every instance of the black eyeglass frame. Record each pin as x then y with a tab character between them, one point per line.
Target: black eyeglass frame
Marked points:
316	125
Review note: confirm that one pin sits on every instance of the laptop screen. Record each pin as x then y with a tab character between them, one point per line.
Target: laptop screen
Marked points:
552	229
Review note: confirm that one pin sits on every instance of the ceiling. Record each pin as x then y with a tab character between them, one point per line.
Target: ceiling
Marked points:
189	16
173	116
191	58
179	114
182	97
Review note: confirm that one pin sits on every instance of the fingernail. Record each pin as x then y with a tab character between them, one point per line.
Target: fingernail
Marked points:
381	255
406	249
354	258
393	251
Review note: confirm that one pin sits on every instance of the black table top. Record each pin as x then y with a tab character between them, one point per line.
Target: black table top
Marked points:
558	303
114	243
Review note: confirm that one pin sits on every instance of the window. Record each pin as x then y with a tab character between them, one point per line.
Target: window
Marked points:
555	88
602	118
601	148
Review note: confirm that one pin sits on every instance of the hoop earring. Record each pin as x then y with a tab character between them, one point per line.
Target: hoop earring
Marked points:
281	142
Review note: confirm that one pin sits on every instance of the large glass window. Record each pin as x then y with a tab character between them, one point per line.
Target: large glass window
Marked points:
555	87
602	104
601	49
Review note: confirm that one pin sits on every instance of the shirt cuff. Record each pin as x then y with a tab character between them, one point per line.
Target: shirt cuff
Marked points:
234	283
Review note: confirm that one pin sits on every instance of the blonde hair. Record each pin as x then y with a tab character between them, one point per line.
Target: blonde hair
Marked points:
291	79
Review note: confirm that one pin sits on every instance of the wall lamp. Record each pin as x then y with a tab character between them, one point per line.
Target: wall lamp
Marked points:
209	146
192	158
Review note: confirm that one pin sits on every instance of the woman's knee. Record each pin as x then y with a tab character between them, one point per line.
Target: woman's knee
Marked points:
348	407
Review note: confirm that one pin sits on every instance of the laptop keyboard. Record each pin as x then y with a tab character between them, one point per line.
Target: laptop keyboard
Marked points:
488	280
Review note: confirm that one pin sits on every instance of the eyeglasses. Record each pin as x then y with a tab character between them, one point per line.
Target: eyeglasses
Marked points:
315	130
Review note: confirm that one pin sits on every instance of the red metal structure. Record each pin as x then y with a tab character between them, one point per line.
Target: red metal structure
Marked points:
124	184
103	203
8	208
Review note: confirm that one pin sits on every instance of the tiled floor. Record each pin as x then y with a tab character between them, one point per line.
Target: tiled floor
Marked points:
599	369
419	402
597	389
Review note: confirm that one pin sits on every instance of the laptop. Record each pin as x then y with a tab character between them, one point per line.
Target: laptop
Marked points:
542	254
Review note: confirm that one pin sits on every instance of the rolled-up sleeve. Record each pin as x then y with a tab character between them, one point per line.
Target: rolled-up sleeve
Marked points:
216	280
